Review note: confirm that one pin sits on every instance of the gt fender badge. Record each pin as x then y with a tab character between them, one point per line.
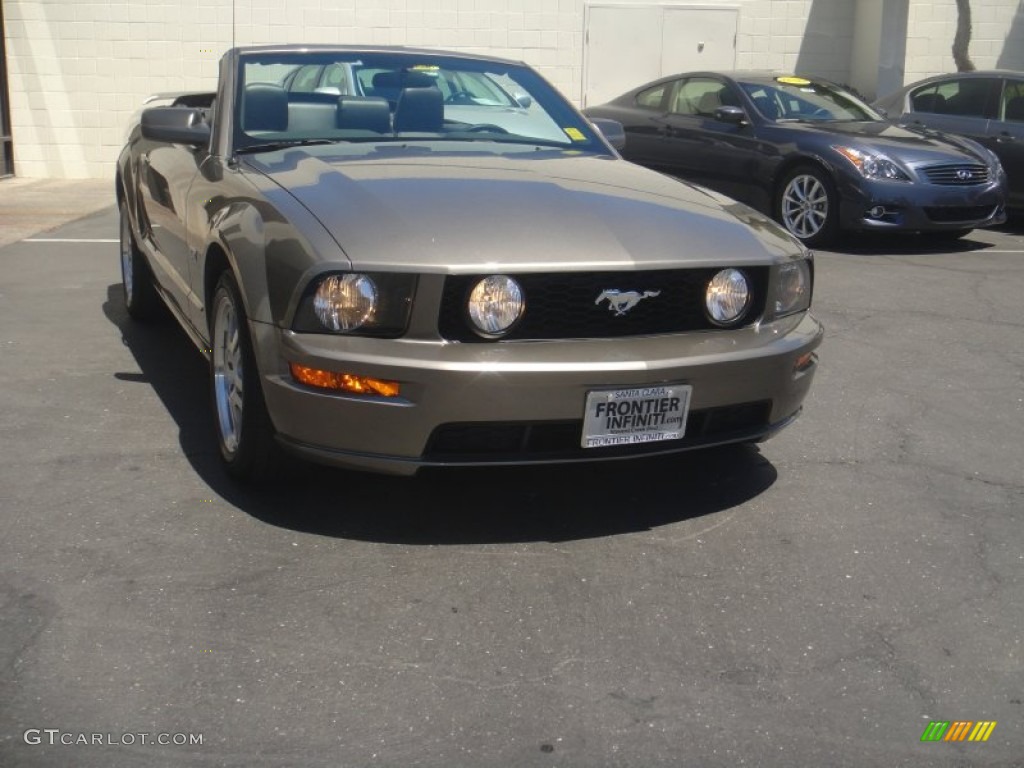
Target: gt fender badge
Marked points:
620	302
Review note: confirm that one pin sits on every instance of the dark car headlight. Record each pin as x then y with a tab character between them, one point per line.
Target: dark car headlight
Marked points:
873	165
365	304
791	287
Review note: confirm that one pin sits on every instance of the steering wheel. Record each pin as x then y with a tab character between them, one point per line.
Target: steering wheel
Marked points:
457	97
489	127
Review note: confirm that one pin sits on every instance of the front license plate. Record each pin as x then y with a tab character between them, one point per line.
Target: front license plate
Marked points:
638	415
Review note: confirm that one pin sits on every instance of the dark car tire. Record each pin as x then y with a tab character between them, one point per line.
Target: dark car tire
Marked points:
245	433
807	206
140	296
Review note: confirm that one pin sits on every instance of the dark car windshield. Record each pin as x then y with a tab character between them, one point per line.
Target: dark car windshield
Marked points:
799	99
369	96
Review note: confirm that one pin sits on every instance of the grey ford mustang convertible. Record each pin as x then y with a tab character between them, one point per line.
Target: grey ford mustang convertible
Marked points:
436	260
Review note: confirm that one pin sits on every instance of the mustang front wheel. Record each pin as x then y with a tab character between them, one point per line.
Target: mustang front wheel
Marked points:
244	430
807	206
140	297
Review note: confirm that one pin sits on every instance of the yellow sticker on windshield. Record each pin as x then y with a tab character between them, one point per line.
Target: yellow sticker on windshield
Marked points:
425	68
793	80
575	134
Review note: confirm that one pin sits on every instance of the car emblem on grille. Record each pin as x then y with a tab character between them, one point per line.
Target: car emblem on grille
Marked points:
963	174
620	302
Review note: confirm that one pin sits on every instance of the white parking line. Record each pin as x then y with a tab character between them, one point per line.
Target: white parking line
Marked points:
70	240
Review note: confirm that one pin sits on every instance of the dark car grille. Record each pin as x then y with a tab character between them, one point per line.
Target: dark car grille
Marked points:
957	175
950	213
546	440
563	305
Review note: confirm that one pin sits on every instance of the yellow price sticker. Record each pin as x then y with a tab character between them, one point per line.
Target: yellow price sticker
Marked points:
793	80
575	134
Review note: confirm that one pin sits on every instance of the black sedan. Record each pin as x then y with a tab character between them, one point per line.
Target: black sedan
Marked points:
809	153
987	106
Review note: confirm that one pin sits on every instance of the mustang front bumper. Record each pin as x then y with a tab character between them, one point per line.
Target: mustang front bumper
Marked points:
523	402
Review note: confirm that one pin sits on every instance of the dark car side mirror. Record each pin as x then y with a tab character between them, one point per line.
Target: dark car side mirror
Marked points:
176	125
612	130
734	115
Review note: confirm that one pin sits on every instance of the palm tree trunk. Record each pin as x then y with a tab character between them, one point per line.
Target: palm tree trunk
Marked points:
962	39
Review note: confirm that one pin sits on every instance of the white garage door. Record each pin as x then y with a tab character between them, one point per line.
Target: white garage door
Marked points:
627	45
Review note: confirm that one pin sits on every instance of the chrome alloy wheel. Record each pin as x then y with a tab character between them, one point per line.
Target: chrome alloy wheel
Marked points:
805	206
227	373
126	257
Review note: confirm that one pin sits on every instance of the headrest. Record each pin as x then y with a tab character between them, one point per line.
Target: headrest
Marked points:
265	108
420	110
367	113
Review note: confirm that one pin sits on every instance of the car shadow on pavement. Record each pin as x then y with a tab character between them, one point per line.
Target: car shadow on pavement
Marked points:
442	506
902	244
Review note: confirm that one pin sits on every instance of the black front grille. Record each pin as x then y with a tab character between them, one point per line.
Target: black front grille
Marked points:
565	305
957	174
948	214
552	440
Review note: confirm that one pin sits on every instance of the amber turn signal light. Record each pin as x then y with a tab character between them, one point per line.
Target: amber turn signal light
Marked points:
347	382
804	362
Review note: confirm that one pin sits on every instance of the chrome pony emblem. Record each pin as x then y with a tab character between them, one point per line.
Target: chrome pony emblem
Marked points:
620	302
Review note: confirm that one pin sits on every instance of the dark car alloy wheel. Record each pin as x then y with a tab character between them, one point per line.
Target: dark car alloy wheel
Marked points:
140	297
807	206
244	430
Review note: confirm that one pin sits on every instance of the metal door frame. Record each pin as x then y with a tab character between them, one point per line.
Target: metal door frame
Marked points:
6	141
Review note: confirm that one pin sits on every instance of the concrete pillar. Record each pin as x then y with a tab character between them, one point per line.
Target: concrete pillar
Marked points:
879	48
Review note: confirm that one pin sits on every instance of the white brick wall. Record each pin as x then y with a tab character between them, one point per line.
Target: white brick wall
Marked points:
79	69
997	38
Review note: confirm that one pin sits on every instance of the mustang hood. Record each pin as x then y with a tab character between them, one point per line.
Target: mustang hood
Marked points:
412	207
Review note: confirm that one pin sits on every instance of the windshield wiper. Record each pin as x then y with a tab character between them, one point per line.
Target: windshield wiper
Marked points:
284	144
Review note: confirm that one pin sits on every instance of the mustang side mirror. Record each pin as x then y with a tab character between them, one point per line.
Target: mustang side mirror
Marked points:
730	115
176	125
612	130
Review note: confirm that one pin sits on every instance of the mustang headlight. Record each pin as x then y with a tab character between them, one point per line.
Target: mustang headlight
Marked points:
495	305
727	296
375	304
873	165
345	302
792	288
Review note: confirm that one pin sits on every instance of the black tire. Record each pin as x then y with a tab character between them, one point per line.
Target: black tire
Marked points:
244	431
807	206
140	296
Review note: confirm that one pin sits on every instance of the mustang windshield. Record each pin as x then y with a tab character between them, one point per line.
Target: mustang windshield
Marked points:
349	96
798	99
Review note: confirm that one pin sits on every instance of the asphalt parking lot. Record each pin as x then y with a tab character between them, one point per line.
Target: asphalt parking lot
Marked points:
814	602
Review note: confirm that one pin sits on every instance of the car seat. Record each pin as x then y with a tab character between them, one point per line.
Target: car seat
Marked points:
265	108
709	102
366	113
1014	109
420	110
935	103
